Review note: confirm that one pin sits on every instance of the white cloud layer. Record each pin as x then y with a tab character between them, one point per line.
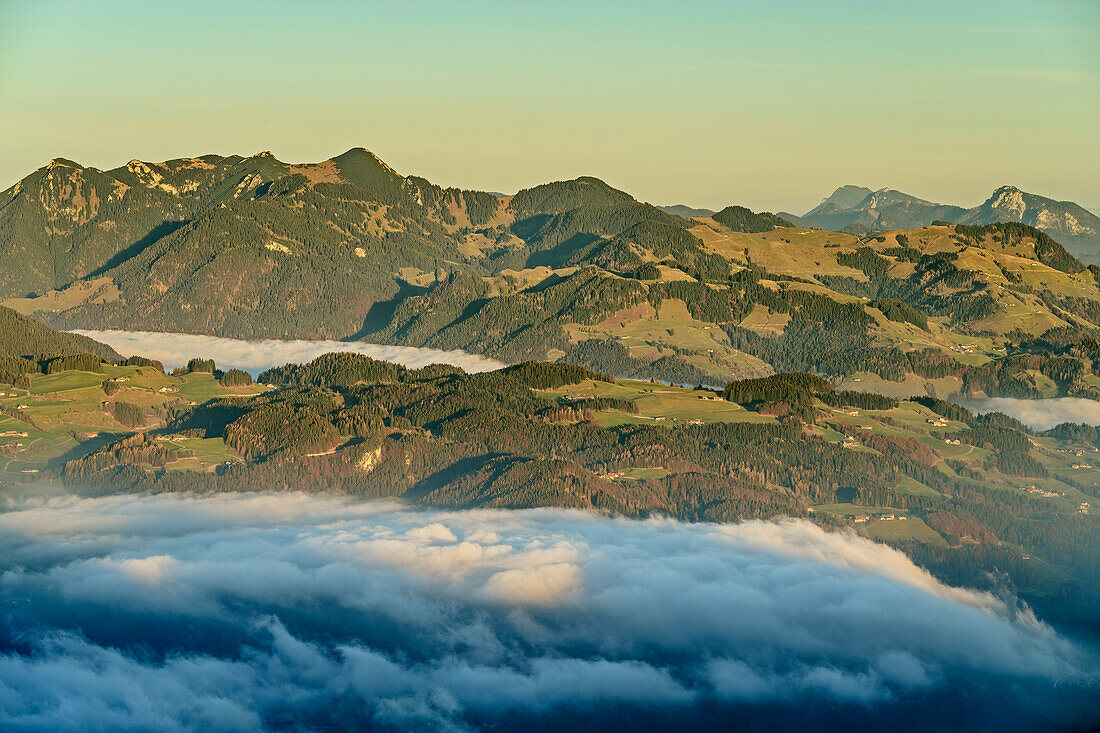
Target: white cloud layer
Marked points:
175	349
1041	414
241	612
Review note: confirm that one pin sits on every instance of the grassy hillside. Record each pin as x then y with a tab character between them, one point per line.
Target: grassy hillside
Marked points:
970	310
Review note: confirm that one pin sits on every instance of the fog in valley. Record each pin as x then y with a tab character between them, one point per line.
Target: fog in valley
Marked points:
236	611
174	350
1040	414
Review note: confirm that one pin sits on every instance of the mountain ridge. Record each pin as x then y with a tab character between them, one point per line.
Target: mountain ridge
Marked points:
575	270
1073	225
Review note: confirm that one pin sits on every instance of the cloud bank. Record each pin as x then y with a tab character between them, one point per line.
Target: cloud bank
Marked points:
253	612
175	349
1040	414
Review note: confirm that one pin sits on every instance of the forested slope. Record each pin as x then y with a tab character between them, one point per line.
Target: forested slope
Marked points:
960	493
571	270
22	336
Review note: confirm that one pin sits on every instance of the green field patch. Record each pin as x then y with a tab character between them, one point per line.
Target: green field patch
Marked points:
69	405
65	381
199	454
908	420
912	528
831	436
201	387
908	387
903	526
847	508
1020	311
1064	496
1085	476
962	451
612	418
764	321
683	405
909	485
640	473
866	422
42	448
659	403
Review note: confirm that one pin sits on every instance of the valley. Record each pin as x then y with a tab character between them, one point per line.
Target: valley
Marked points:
595	393
953	490
722	367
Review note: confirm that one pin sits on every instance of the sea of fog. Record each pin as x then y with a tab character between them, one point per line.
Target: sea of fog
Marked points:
288	611
1040	414
175	349
293	611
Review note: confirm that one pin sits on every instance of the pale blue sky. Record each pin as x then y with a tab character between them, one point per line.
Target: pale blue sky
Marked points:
705	103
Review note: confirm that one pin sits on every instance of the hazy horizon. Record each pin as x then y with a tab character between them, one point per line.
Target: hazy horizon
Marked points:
714	104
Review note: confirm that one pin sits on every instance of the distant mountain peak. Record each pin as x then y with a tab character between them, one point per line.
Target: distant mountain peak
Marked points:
138	167
844	197
1010	199
686	211
887	208
358	153
849	188
359	158
849	192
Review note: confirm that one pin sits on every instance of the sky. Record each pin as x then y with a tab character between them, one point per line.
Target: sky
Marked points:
770	105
